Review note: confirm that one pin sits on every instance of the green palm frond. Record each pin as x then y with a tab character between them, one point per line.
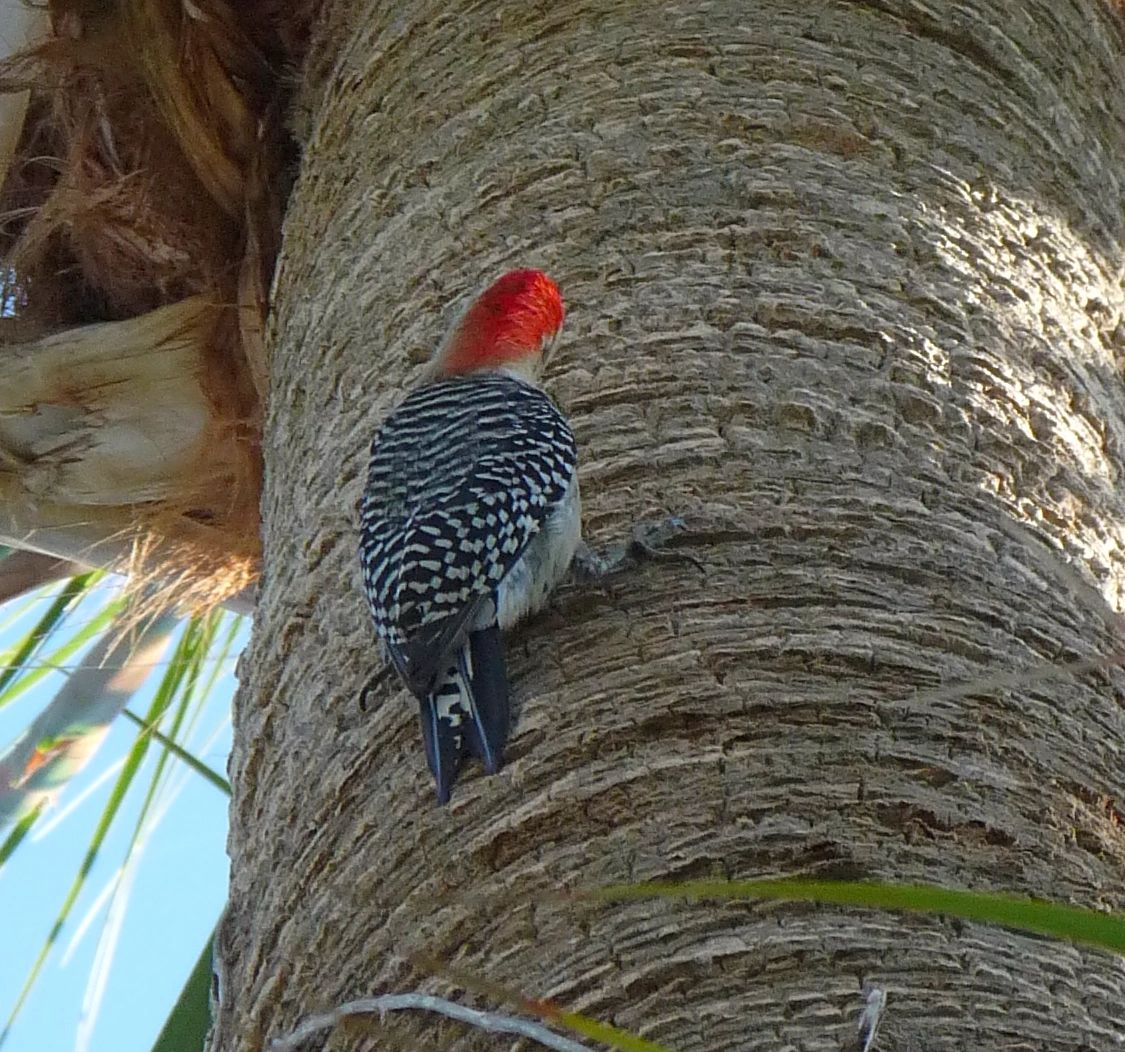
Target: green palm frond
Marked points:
65	735
1097	928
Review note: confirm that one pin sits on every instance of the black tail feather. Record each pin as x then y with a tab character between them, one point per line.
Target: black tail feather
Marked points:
468	713
481	664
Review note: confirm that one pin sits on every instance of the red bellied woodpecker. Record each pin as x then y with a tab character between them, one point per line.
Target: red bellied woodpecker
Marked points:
470	517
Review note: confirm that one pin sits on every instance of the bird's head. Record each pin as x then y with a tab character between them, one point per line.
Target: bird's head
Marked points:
509	326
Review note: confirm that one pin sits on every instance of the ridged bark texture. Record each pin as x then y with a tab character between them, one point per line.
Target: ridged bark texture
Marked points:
844	291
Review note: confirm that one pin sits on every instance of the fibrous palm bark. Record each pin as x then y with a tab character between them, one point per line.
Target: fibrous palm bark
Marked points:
844	288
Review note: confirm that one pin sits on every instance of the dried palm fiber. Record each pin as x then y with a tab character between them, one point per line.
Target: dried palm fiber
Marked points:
148	174
105	192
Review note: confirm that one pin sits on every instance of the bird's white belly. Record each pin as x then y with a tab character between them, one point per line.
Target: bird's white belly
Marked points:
544	563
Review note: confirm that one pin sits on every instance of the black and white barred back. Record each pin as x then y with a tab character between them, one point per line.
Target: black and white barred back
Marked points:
464	475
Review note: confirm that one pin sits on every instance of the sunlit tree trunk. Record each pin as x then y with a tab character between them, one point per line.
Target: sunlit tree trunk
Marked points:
844	292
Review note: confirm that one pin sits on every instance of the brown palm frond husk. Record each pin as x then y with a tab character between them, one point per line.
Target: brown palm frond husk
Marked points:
152	167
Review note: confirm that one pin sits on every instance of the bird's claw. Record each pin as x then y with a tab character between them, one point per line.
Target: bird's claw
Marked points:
648	543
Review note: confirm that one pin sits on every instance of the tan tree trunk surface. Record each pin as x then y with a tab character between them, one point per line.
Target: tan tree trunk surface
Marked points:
844	290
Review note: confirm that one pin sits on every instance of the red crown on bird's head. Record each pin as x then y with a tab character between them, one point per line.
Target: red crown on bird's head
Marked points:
517	316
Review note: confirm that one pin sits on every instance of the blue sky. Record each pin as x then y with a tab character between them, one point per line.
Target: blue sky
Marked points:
176	896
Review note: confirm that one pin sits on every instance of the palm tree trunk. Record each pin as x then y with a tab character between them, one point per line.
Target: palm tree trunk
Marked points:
844	292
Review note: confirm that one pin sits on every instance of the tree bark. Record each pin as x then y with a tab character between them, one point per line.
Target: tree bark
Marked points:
844	291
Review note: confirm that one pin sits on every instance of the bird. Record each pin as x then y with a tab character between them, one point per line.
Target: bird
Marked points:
470	517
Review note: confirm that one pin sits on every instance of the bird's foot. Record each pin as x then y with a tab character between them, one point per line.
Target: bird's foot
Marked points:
649	543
